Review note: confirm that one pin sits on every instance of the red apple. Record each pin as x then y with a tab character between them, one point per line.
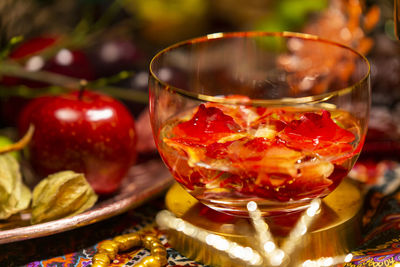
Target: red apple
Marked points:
94	134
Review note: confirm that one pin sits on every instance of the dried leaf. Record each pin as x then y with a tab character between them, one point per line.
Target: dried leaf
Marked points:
61	194
14	195
25	198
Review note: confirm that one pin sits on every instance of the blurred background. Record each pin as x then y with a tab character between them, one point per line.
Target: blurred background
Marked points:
112	42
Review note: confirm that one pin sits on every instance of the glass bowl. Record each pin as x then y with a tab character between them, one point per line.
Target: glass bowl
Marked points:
275	118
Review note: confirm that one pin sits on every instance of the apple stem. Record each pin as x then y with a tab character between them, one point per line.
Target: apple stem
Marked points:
82	86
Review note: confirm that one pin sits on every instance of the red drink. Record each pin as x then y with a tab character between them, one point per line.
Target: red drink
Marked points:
281	158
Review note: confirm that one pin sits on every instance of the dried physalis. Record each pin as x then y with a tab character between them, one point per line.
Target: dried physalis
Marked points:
14	195
61	194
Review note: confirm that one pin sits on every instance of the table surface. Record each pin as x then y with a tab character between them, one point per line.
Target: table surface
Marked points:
381	229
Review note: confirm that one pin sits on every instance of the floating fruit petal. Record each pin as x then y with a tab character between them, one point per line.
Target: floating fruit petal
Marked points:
179	167
268	131
193	151
314	132
316	171
320	127
255	154
232	137
218	150
248	149
278	154
279	159
240	112
242	115
207	125
281	116
336	151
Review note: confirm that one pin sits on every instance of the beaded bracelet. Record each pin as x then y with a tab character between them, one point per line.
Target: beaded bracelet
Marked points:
108	250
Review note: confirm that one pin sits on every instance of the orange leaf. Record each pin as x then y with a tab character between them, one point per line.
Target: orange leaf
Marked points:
372	18
21	143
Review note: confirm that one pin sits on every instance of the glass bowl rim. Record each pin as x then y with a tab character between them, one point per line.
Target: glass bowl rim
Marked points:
262	102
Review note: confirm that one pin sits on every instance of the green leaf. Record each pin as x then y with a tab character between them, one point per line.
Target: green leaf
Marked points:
5	141
11	44
297	11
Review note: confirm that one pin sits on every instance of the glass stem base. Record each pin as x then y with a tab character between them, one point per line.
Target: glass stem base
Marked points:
335	232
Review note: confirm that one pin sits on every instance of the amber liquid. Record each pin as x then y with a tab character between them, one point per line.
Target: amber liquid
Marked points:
260	162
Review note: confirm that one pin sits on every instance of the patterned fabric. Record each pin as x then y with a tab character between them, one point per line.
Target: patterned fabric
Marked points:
381	244
381	228
76	248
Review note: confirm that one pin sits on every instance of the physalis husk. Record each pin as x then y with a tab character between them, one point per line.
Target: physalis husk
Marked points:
14	195
61	194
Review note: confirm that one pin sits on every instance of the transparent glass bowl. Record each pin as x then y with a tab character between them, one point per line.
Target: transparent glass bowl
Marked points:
275	118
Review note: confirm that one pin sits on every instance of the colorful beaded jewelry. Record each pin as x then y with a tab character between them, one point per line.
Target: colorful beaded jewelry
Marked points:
108	250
